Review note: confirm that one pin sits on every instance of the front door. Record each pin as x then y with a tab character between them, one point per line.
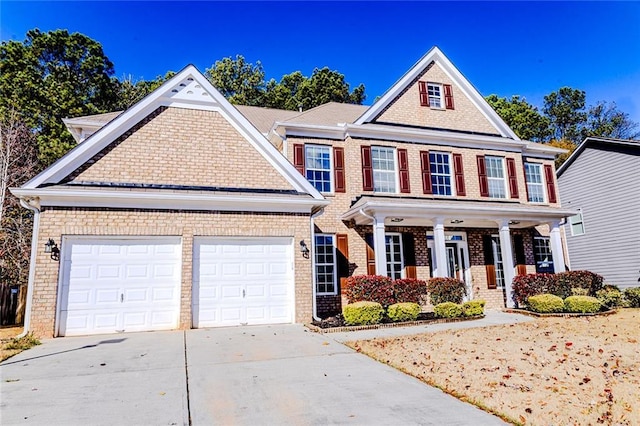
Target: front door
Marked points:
457	258
455	261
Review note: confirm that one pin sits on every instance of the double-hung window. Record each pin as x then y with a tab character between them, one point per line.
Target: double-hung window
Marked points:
325	260
440	168
577	224
495	177
535	185
384	169
542	254
318	167
435	95
395	264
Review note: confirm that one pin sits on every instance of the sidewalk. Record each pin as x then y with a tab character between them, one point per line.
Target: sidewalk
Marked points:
492	317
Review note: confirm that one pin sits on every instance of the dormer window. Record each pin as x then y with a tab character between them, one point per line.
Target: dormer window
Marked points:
436	95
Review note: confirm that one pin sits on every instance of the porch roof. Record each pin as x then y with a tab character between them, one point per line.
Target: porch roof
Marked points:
412	211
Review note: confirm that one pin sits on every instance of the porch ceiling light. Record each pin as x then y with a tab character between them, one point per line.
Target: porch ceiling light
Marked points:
514	222
456	221
396	219
50	247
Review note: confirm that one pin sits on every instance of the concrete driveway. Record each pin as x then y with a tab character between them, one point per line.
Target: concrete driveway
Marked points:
271	375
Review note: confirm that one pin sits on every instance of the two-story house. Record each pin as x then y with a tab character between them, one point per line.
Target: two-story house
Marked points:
185	211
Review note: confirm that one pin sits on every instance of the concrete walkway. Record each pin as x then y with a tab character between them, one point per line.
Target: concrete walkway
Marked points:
271	375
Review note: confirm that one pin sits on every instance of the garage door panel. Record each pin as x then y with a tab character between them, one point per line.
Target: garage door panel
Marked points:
113	285
233	280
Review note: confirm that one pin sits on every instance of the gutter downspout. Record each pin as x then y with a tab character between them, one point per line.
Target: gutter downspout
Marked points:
26	203
314	303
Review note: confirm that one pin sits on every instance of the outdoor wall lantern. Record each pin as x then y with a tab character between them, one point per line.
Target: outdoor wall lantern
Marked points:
456	221
304	249
51	248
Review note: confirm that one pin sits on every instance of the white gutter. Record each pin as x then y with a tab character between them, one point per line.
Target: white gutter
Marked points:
314	303
32	265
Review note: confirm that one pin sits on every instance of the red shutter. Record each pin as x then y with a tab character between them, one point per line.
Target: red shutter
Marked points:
338	169
513	178
298	157
551	185
526	187
424	93
371	255
367	169
448	96
403	166
426	172
482	176
458	171
342	244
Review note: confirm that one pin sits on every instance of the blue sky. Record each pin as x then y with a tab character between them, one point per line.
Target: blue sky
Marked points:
507	48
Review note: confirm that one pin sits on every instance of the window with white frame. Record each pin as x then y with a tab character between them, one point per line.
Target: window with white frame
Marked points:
577	223
318	166
435	95
395	263
497	260
542	254
384	169
535	186
495	177
440	168
325	256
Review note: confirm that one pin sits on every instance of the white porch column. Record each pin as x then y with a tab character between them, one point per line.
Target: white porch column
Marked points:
439	243
556	246
507	260
379	245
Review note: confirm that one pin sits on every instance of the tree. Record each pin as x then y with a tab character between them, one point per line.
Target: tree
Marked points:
566	110
130	91
522	117
563	144
239	81
53	75
605	120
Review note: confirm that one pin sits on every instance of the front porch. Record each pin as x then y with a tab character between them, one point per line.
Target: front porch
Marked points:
484	244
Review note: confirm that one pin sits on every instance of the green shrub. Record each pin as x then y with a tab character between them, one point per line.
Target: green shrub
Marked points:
545	303
443	290
409	290
579	291
406	311
372	288
448	310
633	297
565	281
611	297
23	343
473	308
363	312
582	304
525	286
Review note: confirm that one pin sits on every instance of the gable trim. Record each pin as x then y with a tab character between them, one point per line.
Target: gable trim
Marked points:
436	55
170	94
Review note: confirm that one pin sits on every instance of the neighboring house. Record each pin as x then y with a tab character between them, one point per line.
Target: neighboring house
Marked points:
601	180
182	211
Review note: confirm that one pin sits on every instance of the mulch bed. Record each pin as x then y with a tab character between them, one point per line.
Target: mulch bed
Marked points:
558	314
337	324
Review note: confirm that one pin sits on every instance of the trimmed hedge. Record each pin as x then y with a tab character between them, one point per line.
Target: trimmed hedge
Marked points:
582	304
562	285
633	296
409	290
406	311
362	313
448	310
546	303
372	288
442	290
611	296
590	281
525	286
473	308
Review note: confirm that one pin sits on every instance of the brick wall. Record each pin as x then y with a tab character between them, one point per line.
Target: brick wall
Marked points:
58	222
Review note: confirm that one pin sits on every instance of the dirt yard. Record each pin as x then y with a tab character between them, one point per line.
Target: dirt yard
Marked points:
6	334
568	371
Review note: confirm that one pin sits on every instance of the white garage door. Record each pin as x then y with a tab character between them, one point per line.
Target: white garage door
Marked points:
119	285
242	281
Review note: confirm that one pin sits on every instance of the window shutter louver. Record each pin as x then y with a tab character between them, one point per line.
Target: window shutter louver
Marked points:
513	178
367	169
458	171
424	93
342	261
526	187
551	186
298	157
482	176
448	96
371	256
518	248
338	169
487	246
409	255
403	166
426	172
